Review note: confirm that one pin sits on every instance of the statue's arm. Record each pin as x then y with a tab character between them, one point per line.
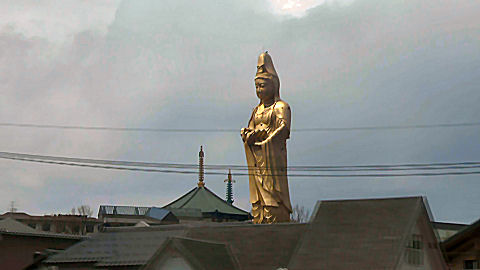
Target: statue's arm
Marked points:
283	117
247	133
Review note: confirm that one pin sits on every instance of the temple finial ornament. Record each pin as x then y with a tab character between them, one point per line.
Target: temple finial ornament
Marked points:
201	173
265	147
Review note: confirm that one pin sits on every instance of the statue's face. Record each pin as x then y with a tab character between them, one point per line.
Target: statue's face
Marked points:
265	89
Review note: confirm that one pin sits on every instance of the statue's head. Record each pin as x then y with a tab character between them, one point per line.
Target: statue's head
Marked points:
266	79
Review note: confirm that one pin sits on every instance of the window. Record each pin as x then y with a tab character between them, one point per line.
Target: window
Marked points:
471	264
414	251
46	227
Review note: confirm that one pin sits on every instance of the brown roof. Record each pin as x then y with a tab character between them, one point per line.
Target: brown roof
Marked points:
357	234
348	234
201	254
59	217
133	247
9	226
255	246
461	237
449	226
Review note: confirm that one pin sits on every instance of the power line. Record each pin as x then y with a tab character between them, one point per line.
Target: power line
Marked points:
133	129
245	174
177	171
375	167
216	130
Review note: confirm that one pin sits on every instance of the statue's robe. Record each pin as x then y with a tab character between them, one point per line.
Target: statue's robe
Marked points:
268	166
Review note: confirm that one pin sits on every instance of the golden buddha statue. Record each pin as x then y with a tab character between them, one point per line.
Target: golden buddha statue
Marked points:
265	147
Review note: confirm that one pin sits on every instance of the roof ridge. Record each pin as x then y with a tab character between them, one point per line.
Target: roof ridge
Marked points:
372	199
193	195
184	195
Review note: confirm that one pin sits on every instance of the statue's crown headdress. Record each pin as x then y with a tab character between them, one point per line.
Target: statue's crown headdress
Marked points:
265	68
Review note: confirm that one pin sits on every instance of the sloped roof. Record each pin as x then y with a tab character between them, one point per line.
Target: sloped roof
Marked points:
456	240
449	226
348	234
357	234
205	200
152	212
186	212
117	248
256	247
202	254
11	225
157	213
122	210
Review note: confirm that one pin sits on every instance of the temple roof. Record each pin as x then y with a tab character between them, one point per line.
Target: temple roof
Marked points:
204	199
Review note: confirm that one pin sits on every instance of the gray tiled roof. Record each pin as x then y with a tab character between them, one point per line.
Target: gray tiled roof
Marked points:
257	247
117	248
11	225
357	234
348	234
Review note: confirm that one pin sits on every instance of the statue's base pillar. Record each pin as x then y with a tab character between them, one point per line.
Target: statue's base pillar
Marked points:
263	214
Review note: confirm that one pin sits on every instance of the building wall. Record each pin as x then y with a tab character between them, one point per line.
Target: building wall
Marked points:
174	263
16	251
170	259
432	256
70	224
470	250
88	266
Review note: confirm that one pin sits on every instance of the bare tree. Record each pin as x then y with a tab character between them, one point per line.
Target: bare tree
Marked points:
300	214
84	210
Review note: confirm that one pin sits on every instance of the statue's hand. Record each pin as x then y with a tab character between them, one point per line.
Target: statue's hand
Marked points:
243	134
267	140
248	135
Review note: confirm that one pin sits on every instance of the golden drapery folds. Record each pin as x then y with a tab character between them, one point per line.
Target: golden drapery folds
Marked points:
265	148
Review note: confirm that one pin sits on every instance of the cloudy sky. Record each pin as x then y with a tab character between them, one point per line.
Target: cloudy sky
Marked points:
190	64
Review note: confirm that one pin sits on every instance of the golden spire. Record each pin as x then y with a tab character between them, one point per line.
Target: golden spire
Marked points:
201	174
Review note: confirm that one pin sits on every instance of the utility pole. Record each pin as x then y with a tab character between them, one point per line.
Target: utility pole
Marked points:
12	207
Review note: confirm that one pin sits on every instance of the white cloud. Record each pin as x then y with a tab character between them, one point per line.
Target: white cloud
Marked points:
57	20
298	8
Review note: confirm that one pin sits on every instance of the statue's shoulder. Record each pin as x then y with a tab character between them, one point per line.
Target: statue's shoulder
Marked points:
281	105
255	109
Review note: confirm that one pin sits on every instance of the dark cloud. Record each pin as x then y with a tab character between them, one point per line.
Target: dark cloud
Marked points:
184	64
